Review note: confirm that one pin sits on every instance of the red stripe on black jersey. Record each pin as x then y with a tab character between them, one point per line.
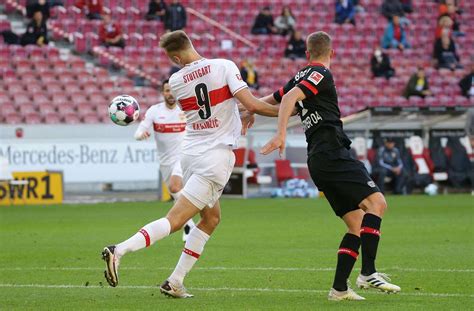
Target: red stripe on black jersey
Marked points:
216	97
310	87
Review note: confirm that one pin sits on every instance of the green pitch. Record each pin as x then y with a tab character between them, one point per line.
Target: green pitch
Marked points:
266	254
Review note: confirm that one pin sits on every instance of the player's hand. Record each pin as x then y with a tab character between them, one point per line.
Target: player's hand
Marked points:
248	119
142	135
277	142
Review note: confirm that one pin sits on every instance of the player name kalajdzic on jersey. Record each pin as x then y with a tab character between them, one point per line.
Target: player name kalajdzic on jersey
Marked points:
319	111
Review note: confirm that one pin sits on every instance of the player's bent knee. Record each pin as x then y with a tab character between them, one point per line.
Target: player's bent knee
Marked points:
210	221
378	206
175	188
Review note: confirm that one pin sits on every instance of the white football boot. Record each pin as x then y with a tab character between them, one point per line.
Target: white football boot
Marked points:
174	290
348	294
377	280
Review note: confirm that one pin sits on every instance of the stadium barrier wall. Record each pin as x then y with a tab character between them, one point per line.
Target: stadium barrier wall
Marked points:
85	161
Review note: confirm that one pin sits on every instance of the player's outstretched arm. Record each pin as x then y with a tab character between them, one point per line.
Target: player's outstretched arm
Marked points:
270	99
141	133
287	106
143	130
255	105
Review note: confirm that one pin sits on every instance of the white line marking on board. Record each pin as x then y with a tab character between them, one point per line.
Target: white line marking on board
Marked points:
228	269
230	289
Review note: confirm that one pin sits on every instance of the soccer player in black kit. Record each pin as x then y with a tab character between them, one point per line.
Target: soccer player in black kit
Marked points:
353	195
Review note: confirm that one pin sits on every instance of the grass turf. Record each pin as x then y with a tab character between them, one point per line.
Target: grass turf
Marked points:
266	254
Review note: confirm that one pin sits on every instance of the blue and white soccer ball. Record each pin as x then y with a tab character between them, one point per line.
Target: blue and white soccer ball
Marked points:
124	110
431	189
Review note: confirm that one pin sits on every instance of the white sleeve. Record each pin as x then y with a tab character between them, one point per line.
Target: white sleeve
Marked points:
233	78
146	123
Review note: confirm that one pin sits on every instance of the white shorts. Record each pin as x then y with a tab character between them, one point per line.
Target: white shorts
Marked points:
170	170
205	176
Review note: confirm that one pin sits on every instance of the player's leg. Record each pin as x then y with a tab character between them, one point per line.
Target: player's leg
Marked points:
175	185
346	257
177	216
204	193
348	249
374	206
210	218
204	190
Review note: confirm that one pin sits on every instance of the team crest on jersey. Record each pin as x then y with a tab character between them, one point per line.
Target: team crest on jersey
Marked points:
315	77
239	77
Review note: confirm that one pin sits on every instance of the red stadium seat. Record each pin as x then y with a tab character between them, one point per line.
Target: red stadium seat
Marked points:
66	108
52	118
13	118
46	108
283	170
26	108
71	118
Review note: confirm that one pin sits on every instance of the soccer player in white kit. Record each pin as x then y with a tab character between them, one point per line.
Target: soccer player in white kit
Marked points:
168	122
208	91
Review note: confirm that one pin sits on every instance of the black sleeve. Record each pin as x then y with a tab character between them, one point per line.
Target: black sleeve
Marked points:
314	82
278	94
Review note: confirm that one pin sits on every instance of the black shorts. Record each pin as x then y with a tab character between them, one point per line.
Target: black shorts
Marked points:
343	179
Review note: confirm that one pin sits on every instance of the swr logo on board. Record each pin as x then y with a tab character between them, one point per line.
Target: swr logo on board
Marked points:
29	190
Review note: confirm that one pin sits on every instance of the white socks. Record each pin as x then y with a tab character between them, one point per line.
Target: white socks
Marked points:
192	250
148	235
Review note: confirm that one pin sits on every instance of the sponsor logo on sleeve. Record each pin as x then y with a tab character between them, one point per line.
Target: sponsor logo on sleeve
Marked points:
315	77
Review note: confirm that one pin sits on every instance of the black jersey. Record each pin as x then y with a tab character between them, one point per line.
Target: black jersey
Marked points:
319	112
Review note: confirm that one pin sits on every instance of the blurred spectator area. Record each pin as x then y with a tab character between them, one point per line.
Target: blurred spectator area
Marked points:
353	45
39	86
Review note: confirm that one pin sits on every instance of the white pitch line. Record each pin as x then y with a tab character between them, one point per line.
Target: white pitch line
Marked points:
229	289
228	269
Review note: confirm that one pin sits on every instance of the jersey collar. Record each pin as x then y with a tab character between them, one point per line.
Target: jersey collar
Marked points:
316	64
195	62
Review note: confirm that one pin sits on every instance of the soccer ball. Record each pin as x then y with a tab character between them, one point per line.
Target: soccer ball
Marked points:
431	189
124	110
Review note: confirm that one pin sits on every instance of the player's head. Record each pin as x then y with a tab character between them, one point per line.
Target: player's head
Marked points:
319	46
177	46
166	90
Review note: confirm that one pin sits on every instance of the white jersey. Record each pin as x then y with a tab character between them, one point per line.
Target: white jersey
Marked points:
205	91
169	128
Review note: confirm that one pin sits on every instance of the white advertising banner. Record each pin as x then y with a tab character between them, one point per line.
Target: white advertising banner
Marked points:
85	161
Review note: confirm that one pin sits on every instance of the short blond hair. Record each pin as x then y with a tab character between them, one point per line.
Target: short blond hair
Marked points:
175	41
319	44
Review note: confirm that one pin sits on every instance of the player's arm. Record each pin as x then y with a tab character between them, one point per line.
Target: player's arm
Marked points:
270	99
255	105
287	107
143	130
